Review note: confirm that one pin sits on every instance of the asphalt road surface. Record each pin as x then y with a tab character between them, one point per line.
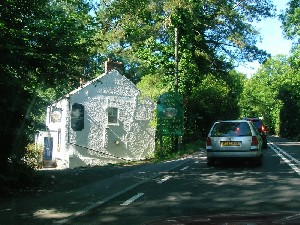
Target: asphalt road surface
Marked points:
186	187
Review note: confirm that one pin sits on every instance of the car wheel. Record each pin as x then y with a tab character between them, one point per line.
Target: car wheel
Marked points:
210	162
258	161
265	145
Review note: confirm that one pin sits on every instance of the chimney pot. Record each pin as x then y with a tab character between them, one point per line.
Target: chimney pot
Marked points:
110	65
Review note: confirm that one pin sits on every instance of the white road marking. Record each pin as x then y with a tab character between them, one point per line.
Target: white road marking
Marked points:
196	162
184	168
164	179
281	154
285	153
112	196
202	157
132	199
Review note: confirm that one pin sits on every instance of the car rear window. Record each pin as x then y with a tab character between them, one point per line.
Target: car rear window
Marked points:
231	129
257	123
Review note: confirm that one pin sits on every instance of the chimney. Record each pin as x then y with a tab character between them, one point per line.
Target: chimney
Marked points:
82	82
110	65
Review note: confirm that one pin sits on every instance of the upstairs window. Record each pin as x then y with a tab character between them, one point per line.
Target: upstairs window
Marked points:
77	117
112	115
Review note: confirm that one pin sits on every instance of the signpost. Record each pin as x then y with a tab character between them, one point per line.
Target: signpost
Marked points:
170	117
170	109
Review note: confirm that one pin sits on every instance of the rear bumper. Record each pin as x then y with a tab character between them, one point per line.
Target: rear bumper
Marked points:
233	154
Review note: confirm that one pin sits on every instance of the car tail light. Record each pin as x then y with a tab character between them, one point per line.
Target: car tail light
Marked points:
208	141
254	141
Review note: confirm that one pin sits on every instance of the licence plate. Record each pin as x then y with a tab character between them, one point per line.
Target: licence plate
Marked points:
230	143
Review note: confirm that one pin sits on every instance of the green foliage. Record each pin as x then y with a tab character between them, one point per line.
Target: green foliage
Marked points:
33	156
163	149
187	149
204	63
212	99
45	47
273	93
205	27
152	86
291	19
142	34
289	95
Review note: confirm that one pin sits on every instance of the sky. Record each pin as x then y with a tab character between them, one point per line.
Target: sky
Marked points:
273	40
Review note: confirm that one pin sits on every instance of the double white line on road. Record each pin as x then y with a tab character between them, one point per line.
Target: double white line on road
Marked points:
290	160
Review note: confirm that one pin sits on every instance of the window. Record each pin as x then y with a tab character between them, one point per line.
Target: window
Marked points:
227	129
77	117
112	114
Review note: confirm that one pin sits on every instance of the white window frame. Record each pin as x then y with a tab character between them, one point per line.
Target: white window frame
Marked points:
113	112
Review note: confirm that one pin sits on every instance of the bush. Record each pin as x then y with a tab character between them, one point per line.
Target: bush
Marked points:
166	152
33	156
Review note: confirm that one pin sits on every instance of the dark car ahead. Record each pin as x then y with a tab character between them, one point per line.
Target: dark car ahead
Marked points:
258	123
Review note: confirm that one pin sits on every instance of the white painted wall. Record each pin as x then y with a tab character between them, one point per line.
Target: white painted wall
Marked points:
99	142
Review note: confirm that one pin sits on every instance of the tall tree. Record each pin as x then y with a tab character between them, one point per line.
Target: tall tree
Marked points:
214	36
210	32
289	93
44	46
273	93
291	19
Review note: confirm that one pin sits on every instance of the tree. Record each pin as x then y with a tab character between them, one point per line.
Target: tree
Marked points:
44	47
289	90
222	27
291	20
213	37
273	93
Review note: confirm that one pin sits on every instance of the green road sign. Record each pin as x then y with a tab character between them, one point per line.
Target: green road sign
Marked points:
170	114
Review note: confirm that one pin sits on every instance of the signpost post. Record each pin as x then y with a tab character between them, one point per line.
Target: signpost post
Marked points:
170	109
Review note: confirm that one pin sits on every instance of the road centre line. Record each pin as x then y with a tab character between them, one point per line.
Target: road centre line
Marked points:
184	168
101	202
108	198
132	199
164	179
279	151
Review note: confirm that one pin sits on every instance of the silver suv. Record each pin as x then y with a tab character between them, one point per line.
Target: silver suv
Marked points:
234	139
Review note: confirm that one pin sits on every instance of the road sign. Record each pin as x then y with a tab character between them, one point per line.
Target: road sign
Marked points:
170	114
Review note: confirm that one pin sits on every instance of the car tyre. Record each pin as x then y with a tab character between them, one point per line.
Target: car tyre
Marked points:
265	144
210	162
258	161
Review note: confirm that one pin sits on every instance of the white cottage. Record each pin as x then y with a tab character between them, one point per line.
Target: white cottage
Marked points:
104	121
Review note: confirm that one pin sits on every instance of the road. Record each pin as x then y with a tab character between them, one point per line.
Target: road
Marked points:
186	187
